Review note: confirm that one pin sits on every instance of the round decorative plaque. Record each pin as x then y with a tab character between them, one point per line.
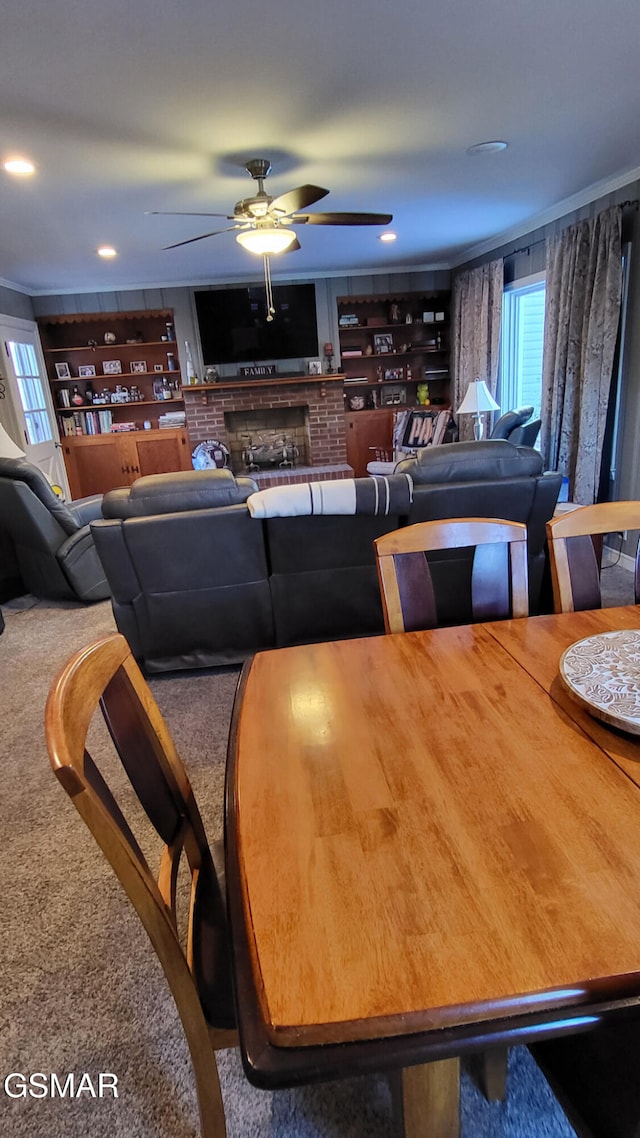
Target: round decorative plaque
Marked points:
210	454
603	674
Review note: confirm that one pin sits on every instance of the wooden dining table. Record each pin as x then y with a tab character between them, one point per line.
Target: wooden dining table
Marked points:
431	849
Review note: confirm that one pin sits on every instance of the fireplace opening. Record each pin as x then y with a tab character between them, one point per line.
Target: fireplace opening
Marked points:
268	438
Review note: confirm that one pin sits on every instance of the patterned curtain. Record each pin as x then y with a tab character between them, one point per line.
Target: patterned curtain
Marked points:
582	314
476	312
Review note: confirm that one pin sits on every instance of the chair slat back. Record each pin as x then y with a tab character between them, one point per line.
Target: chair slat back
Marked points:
409	591
499	580
575	567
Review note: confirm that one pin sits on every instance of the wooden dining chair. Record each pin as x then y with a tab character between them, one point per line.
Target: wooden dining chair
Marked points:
575	559
105	675
499	577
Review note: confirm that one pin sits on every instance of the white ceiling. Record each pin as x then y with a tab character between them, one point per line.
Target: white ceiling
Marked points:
155	105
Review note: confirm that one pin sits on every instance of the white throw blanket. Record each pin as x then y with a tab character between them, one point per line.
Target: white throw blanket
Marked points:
391	495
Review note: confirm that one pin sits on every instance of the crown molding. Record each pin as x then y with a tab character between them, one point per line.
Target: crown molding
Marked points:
15	287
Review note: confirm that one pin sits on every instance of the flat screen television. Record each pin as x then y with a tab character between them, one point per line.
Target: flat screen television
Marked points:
233	324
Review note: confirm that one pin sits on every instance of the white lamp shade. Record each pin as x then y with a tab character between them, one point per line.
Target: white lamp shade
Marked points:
8	448
477	398
269	239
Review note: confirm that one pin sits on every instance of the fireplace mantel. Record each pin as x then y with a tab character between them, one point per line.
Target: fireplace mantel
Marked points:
265	381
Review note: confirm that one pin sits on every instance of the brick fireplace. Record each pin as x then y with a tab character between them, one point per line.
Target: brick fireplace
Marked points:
226	410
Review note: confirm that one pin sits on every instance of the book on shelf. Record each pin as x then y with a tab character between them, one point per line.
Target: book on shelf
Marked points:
86	423
116	428
172	419
355	379
351	353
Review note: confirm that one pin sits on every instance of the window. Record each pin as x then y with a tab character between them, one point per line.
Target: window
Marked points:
31	390
520	378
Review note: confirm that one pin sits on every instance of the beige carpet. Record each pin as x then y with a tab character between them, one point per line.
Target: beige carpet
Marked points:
80	990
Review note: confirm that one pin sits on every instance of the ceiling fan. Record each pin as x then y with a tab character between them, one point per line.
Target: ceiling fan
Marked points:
263	223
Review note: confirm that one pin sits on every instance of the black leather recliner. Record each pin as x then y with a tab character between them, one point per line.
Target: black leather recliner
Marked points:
52	541
526	435
516	428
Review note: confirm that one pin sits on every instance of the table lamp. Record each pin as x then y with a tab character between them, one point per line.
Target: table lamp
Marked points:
477	399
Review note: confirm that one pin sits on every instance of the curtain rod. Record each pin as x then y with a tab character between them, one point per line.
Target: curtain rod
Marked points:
632	203
525	248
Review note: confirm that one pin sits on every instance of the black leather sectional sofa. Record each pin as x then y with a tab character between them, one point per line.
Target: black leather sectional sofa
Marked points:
196	581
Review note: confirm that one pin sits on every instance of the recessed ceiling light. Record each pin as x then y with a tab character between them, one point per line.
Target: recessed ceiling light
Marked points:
388	236
107	251
18	166
487	147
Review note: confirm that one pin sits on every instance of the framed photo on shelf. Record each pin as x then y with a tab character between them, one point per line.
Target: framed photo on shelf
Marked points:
62	371
86	371
383	343
139	366
394	396
158	367
111	367
393	374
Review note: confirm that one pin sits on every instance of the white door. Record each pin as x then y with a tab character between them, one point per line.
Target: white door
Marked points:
30	398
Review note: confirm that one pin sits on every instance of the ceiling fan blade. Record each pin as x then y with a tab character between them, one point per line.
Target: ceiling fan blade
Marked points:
342	219
202	236
299	198
180	213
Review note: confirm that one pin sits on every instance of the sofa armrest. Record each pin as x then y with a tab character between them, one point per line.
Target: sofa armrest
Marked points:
79	561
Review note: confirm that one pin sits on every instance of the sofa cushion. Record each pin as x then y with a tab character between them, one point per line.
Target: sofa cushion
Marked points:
487	461
378	495
172	493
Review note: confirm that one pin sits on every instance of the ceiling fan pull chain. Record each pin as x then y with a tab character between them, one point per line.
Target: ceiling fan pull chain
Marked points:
267	285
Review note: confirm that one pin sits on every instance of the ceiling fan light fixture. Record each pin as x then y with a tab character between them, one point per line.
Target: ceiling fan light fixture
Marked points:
266	240
388	236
